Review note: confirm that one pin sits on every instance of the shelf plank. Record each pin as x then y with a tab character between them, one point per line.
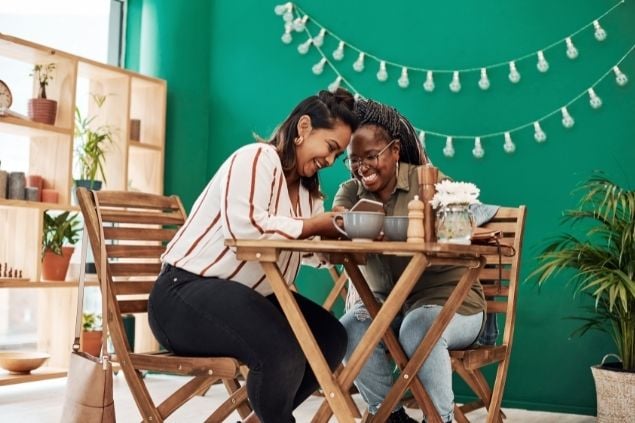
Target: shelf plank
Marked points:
20	283
42	373
29	128
143	145
36	205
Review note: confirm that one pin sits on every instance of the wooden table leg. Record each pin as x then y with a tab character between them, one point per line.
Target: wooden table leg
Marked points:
340	400
379	325
429	341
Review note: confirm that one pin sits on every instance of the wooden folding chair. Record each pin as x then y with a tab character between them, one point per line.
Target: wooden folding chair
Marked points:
135	228
500	284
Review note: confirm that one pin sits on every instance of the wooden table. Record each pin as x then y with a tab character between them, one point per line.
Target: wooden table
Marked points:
350	254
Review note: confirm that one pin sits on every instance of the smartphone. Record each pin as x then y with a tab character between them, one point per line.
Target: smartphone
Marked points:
368	206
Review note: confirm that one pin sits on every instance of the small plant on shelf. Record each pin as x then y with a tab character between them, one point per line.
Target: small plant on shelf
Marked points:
91	322
91	333
92	144
60	233
42	109
43	73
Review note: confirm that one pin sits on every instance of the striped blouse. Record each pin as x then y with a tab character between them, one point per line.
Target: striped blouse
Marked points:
248	198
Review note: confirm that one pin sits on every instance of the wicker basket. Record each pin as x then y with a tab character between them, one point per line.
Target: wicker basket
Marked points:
615	391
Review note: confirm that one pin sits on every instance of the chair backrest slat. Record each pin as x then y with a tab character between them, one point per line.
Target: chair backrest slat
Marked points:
134	251
149	234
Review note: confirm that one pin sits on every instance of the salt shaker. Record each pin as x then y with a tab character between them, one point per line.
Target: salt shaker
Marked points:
415	220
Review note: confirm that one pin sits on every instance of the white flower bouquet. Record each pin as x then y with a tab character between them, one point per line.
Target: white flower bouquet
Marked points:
449	192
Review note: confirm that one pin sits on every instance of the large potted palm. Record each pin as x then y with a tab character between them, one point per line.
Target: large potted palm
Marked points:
603	265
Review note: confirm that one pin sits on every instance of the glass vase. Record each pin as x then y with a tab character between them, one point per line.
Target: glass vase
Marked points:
454	224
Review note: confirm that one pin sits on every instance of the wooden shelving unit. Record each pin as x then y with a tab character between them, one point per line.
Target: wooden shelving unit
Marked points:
135	165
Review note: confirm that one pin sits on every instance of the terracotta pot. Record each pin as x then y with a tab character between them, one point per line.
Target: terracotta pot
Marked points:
43	110
54	267
91	342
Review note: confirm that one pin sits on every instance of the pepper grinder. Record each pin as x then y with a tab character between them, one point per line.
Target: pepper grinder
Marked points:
428	177
415	220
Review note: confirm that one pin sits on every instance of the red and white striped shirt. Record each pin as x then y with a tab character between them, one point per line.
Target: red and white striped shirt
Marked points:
248	198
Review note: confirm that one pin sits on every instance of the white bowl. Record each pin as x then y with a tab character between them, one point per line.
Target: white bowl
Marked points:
22	362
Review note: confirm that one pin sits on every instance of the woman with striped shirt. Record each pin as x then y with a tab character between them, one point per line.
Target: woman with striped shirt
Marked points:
207	302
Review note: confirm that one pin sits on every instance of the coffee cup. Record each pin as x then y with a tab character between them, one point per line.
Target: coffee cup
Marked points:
360	226
396	228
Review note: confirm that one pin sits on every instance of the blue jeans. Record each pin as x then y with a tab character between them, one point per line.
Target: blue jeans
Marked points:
376	378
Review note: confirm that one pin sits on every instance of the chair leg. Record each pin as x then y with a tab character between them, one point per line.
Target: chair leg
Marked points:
234	401
495	414
232	385
182	395
459	416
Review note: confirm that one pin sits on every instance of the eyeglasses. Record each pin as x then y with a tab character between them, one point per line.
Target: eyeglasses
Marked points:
368	161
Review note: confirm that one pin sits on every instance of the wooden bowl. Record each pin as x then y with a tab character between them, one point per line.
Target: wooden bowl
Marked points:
22	362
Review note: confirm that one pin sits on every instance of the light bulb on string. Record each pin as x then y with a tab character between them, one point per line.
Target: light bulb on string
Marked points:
455	85
282	8
594	100
542	65
333	86
286	37
567	120
318	40
358	66
357	96
428	85
484	83
299	24
382	74
514	75
403	79
572	52
422	139
509	145
304	47
318	68
448	150
478	150
620	77
600	33
539	134
338	53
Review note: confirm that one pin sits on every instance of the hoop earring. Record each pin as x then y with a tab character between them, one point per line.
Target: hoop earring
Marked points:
298	140
397	170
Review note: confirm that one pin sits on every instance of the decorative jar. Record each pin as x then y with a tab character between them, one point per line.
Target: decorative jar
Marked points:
454	224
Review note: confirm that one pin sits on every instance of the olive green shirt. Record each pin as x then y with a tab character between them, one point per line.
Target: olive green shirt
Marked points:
383	271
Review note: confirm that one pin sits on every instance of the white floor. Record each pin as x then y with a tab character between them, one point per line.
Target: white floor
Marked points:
41	402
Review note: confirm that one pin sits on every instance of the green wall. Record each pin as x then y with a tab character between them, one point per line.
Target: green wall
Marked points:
229	76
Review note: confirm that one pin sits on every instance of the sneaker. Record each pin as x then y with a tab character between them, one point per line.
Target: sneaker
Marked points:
400	416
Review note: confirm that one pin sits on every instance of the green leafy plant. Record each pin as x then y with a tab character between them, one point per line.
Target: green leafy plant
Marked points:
44	74
603	261
60	230
92	143
91	322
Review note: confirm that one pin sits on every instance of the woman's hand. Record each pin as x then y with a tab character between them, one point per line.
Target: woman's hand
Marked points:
320	224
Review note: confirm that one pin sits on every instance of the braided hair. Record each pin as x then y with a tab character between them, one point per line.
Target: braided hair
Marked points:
390	124
325	109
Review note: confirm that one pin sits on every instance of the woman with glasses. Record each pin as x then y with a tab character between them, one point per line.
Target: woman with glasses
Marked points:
209	302
383	156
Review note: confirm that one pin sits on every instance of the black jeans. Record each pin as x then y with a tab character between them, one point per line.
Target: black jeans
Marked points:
197	316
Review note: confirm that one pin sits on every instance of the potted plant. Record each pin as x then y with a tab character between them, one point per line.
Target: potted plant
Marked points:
91	334
603	265
43	109
92	144
60	233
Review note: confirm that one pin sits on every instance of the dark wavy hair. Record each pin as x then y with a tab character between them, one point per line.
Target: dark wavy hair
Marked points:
325	109
390	125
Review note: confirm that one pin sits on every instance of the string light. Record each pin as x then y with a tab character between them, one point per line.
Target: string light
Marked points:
620	78
594	100
567	120
509	145
319	40
318	68
299	24
422	139
428	85
600	33
403	79
539	134
483	83
333	86
358	66
448	150
286	37
514	75
572	52
542	65
304	47
478	151
455	85
382	74
338	54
